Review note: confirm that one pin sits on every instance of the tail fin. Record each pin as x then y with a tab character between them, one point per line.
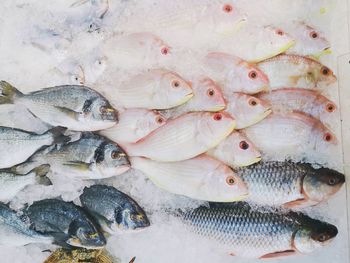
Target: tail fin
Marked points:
41	172
58	135
8	93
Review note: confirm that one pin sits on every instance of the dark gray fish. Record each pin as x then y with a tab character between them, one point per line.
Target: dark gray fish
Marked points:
246	232
113	209
75	107
66	222
289	184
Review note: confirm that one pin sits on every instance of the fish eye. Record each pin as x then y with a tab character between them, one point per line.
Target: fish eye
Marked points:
176	84
227	8
332	181
280	32
210	92
159	119
252	74
115	155
252	102
243	145
103	109
217	117
327	137
313	34
325	71
164	50
322	238
230	180
330	107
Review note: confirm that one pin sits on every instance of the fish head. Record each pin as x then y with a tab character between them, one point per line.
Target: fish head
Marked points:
320	184
84	234
322	137
324	107
111	160
319	74
151	120
77	76
98	110
242	149
313	235
247	109
207	96
130	218
96	65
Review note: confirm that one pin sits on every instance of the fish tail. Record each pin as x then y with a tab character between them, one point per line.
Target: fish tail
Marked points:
58	135
41	172
8	93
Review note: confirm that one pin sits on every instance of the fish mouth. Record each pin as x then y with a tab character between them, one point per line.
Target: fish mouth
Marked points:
265	88
217	108
184	99
261	117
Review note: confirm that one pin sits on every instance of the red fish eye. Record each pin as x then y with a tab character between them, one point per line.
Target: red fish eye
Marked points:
176	84
227	8
325	71
243	145
313	34
210	92
252	102
327	137
115	155
252	74
159	120
230	180
330	107
217	116
279	32
164	51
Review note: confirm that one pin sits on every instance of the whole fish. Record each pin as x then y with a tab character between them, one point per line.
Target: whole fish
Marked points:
235	74
11	183
133	125
246	232
308	40
202	178
74	107
296	133
293	185
156	89
296	71
236	150
184	137
113	209
294	99
16	146
91	157
66	222
14	231
247	110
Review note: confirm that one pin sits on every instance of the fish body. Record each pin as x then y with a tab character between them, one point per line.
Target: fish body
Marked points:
289	184
113	209
72	106
133	125
184	137
236	150
202	178
16	232
65	221
296	71
250	233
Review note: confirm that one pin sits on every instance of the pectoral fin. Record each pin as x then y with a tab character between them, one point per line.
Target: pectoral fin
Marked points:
81	166
279	254
294	80
70	113
299	203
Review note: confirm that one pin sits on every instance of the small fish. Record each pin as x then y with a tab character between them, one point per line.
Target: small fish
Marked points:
294	99
66	222
291	133
91	157
16	146
246	110
296	71
16	232
133	125
70	71
113	209
236	150
156	89
74	107
293	185
11	183
235	74
309	40
202	178
184	137
245	232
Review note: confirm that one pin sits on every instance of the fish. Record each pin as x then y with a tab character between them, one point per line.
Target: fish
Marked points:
184	137
308	101
235	74
247	110
250	233
11	183
308	40
67	223
236	150
17	232
90	157
289	184
114	210
207	96
296	71
78	255
201	178
294	132
16	145
75	107
155	89
133	125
